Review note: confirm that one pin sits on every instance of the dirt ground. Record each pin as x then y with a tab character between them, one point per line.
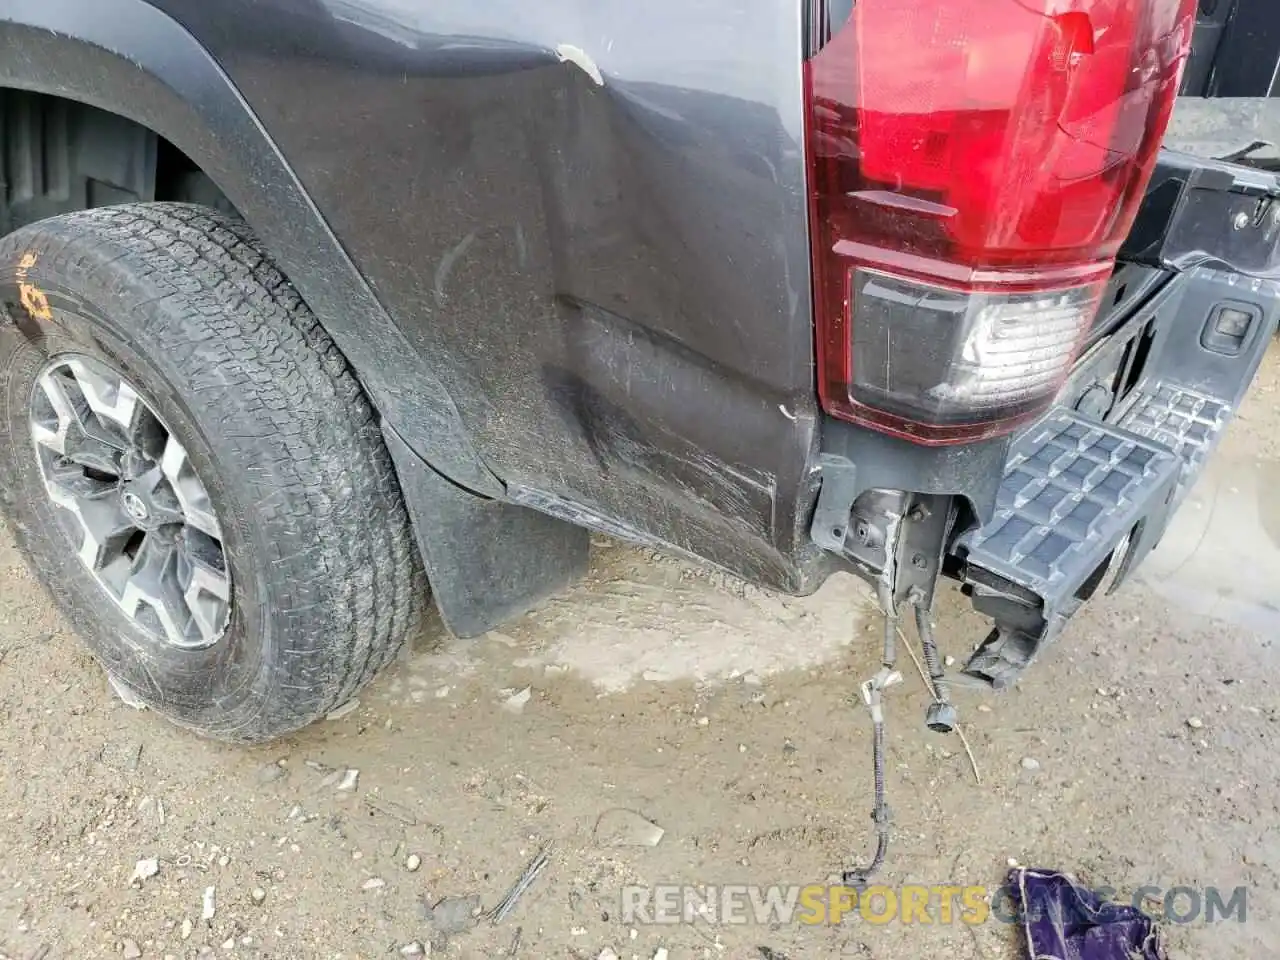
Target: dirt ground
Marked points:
1139	751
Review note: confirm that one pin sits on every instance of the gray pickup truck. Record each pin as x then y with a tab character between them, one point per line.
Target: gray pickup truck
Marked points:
310	307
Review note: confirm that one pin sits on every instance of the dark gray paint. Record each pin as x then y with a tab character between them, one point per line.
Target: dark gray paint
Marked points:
600	289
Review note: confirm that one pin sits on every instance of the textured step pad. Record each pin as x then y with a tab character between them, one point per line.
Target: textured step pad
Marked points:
1073	489
1186	422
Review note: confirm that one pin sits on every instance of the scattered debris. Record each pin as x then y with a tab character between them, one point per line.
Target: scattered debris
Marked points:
187	927
516	702
660	954
351	706
414	949
389	808
704	721
209	904
130	949
271	772
1071	920
948	661
1195	723
258	895
121	756
1030	763
454	914
412	863
523	882
144	870
621	827
349	780
983	708
514	948
607	954
373	883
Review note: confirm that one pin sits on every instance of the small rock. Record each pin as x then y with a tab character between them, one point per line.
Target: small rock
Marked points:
752	680
187	927
144	870
1013	861
1030	763
704	721
351	706
229	943
373	883
660	954
983	708
413	862
742	748
607	954
949	661
121	756
209	905
349	781
443	692
271	772
626	828
258	895
454	914
413	949
130	949
1195	723
516	702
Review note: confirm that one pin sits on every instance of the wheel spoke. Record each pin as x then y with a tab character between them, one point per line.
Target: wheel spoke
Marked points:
208	594
191	494
153	591
106	530
51	431
108	395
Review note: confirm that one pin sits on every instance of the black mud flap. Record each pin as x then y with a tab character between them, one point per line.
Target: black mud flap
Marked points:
487	561
1090	488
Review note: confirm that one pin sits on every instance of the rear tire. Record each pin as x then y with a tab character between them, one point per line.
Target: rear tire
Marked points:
179	303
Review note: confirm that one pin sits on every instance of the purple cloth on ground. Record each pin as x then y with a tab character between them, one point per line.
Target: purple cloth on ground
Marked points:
1065	921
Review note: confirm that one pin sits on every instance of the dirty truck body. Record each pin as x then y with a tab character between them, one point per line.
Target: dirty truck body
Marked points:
313	302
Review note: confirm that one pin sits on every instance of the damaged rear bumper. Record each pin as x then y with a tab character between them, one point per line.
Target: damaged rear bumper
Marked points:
1088	491
1034	525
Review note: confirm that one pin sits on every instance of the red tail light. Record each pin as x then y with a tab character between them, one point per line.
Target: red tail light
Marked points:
974	166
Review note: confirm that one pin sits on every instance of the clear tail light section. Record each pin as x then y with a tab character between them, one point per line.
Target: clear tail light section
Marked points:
974	166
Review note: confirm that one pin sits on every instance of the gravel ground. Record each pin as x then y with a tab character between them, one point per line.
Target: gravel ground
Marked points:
1139	751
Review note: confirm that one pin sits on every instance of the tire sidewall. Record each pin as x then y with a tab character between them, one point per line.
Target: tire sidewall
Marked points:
218	689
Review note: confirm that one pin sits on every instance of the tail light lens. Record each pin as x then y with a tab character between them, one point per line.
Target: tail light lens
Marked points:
974	167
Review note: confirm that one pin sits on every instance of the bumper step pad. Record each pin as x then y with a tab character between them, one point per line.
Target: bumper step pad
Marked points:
1074	490
1181	420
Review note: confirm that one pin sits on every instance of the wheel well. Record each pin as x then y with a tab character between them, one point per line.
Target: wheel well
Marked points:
59	155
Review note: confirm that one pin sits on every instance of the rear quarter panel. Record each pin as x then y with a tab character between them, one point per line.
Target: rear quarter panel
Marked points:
589	218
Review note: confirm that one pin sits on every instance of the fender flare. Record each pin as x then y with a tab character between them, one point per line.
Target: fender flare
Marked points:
131	59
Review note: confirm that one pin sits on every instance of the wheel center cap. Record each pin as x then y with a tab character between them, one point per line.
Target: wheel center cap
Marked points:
134	506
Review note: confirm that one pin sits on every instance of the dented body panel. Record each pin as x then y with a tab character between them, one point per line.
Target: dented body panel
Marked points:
589	221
